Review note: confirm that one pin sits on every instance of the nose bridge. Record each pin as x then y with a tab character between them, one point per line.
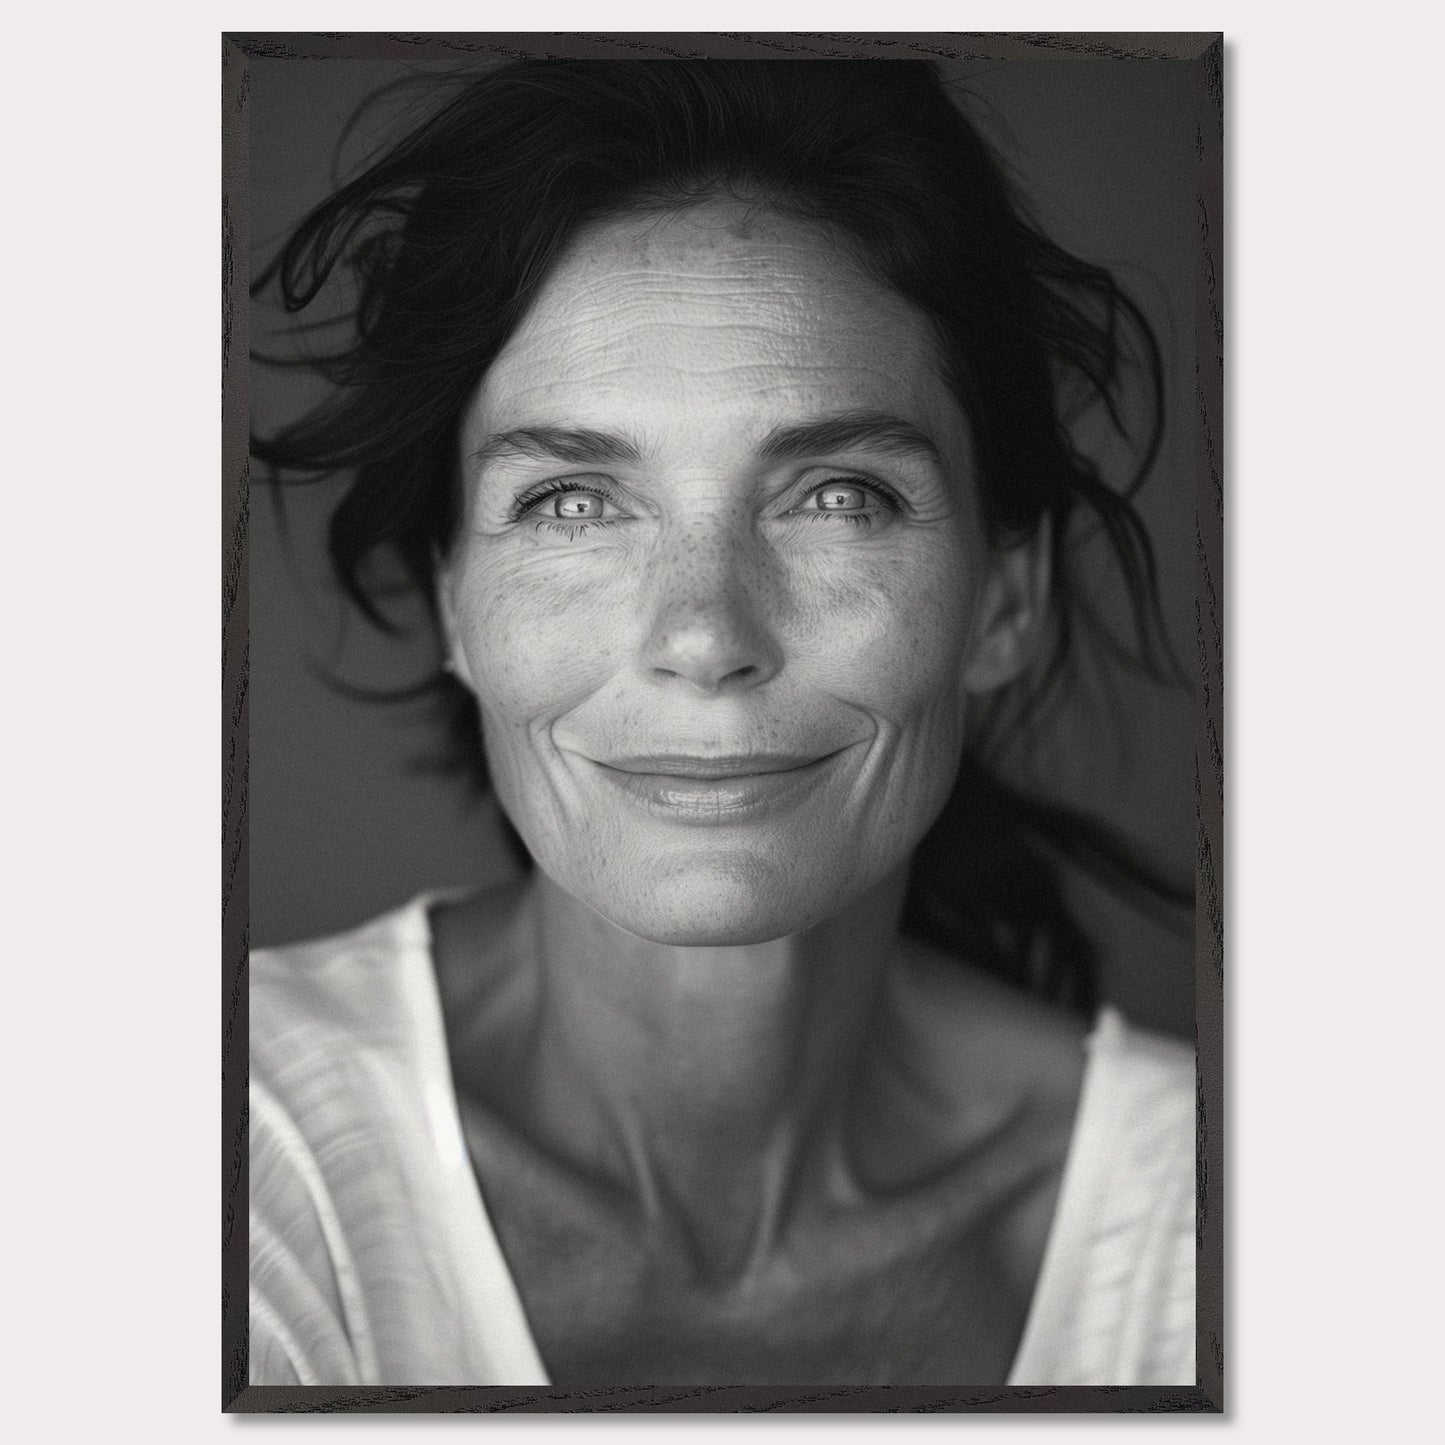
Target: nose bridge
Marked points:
713	604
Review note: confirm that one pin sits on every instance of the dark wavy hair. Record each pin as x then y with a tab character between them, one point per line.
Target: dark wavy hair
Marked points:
448	237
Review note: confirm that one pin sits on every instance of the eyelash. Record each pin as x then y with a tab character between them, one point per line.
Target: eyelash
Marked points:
886	495
557	487
562	485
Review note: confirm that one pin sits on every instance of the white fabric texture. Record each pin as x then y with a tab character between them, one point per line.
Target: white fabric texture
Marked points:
373	1260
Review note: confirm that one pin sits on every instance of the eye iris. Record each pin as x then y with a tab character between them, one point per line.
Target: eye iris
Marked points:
577	506
841	499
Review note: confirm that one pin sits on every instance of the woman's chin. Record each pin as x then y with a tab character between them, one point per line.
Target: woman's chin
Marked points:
733	901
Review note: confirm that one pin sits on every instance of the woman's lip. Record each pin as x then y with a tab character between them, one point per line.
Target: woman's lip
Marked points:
687	789
717	768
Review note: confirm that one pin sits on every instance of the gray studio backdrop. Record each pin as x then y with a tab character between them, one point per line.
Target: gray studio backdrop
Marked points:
343	825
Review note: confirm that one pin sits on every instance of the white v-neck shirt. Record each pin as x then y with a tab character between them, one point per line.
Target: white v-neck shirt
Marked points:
373	1260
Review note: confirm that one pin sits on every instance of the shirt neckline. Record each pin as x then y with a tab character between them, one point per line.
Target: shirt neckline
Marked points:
1068	1229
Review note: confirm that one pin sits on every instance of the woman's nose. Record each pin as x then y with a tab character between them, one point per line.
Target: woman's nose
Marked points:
712	623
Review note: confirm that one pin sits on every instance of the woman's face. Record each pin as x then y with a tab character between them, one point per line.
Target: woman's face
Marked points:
721	587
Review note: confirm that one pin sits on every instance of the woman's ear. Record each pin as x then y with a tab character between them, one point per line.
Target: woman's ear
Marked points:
1012	609
453	658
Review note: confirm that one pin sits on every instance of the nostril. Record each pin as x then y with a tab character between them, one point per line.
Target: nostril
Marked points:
710	679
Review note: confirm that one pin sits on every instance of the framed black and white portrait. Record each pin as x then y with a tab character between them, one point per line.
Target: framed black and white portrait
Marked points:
724	638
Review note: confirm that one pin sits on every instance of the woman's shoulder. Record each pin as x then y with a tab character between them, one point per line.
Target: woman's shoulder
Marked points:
992	1028
330	1016
368	1257
325	987
1150	1066
1137	1112
329	1042
320	976
1112	1102
1116	1297
386	990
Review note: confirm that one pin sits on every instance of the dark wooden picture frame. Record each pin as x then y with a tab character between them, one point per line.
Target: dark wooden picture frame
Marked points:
1203	54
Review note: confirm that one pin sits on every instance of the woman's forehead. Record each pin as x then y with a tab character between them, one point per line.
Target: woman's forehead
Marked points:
721	308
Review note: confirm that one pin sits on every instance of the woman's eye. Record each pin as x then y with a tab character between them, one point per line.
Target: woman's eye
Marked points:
849	501
575	506
862	505
840	497
570	505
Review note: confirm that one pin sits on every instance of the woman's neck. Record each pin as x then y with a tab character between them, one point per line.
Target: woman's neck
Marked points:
703	1081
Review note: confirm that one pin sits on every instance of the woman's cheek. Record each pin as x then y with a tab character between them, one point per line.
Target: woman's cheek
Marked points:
539	632
894	636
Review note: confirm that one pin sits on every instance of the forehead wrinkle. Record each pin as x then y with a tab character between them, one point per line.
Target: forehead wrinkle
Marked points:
770	293
657	326
784	278
578	338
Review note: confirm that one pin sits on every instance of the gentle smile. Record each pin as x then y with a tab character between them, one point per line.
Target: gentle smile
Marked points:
714	768
687	788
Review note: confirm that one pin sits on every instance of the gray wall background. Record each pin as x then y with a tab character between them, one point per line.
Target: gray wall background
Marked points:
343	826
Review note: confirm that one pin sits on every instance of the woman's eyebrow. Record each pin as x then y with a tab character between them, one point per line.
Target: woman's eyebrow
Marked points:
876	431
840	431
563	444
